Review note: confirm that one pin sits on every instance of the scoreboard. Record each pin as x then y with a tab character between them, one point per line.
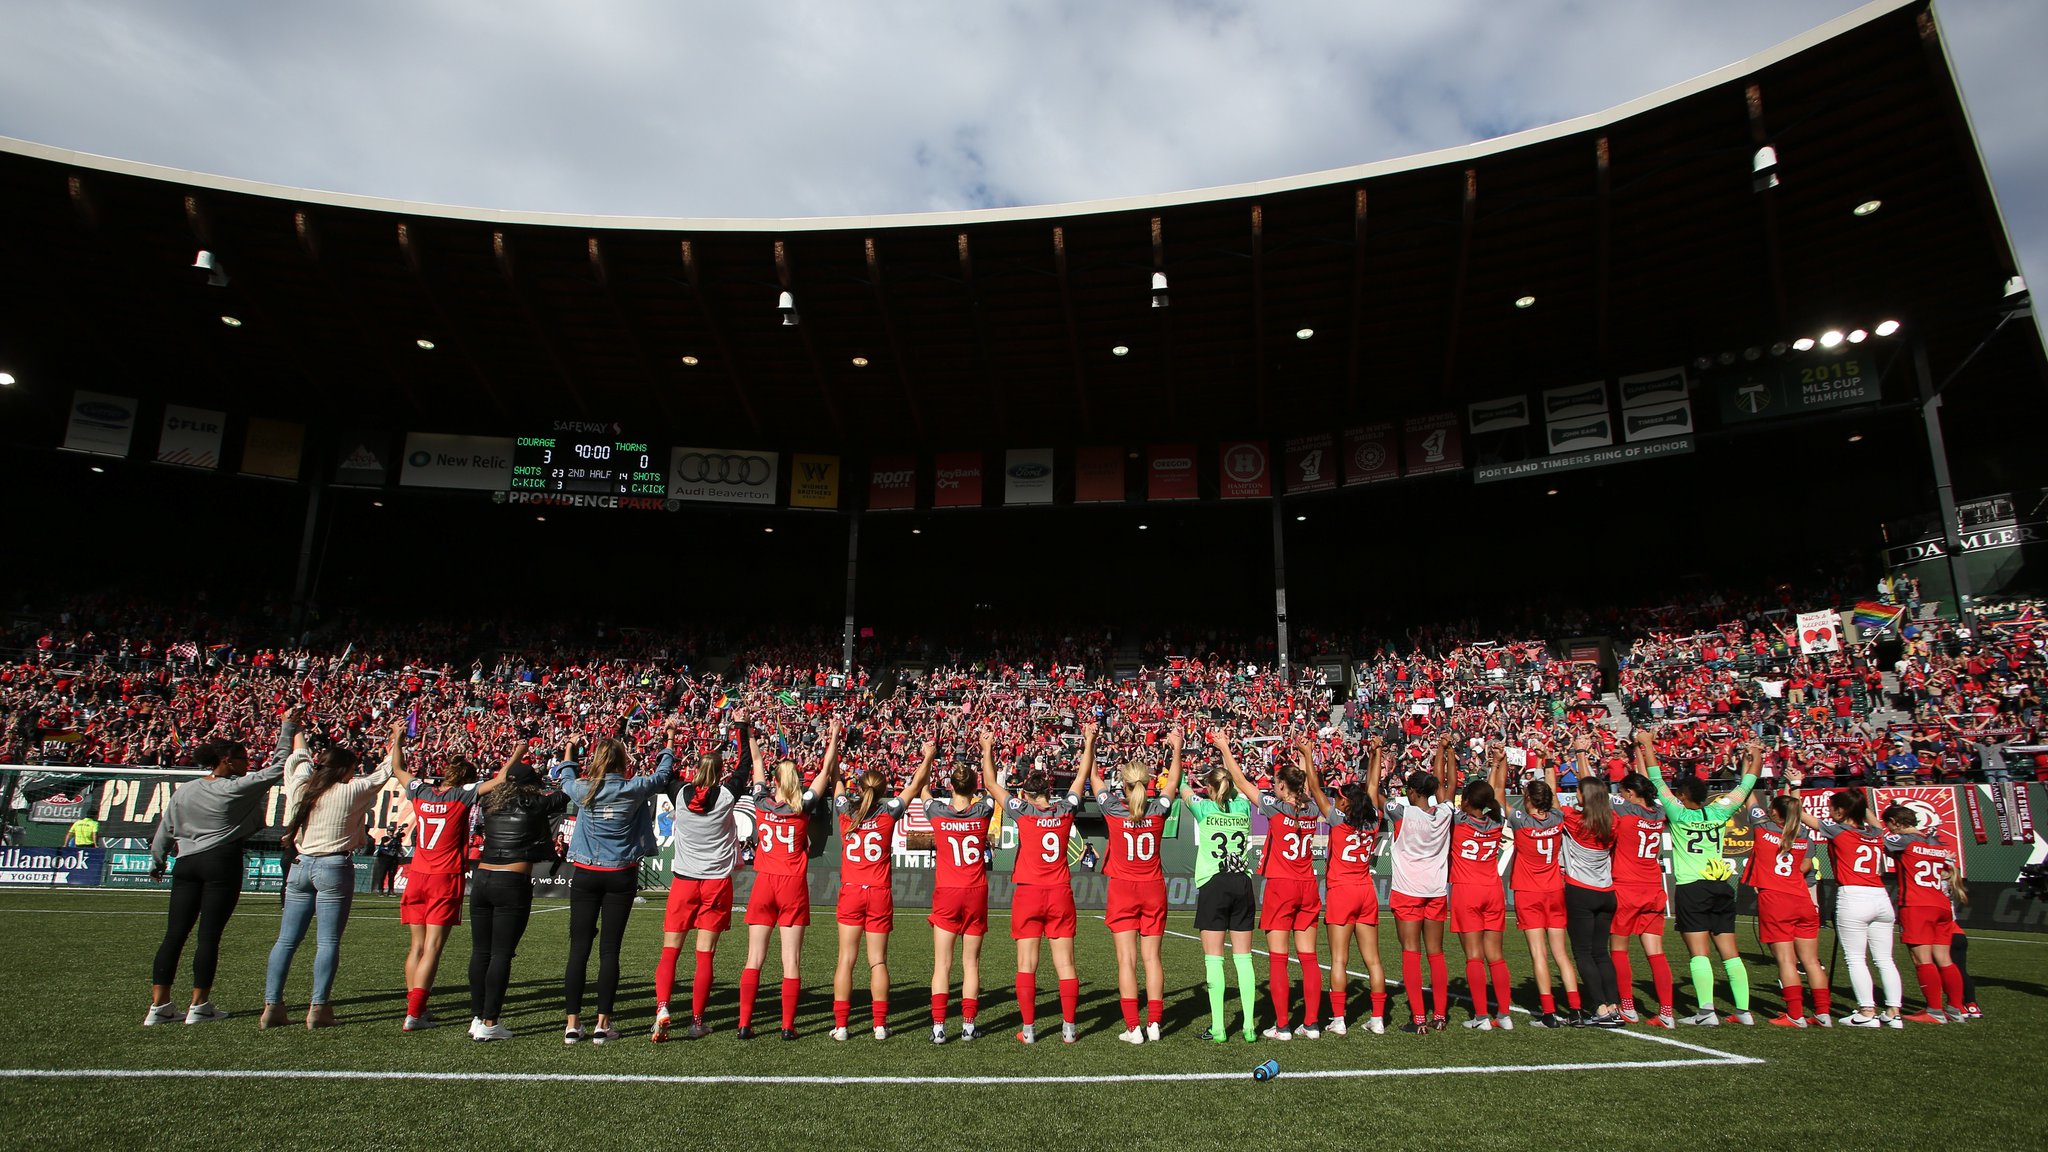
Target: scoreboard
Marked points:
588	458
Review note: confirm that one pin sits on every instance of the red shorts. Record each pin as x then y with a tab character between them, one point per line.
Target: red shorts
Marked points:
1290	906
1540	908
779	901
871	906
1137	906
1638	911
1783	916
1408	907
1478	908
431	898
1042	910
961	911
700	904
1919	925
1352	904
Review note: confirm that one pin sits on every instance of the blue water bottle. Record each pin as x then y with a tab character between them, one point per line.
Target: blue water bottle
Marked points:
1266	1071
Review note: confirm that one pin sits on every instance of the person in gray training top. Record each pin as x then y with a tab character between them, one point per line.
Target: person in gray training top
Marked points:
208	820
708	806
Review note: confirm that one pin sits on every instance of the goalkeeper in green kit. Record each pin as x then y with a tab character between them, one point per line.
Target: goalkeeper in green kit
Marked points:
1226	902
1705	895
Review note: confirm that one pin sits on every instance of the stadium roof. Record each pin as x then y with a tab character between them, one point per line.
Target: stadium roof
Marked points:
1636	230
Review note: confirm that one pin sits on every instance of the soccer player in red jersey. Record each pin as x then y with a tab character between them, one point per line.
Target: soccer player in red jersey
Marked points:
1927	871
1639	899
960	891
781	899
1865	920
1478	906
1351	907
1538	831
432	902
1293	902
1042	901
867	906
1787	921
1137	883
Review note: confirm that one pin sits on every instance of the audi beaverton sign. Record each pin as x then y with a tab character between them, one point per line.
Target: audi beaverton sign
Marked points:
723	475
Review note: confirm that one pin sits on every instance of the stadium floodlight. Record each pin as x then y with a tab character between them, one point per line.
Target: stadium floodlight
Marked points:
1727	358
1803	344
1867	207
1525	301
1779	348
6	379
1752	353
1159	289
2016	286
786	304
1703	362
231	321
1858	336
210	263
1303	333
1856	438
1830	338
424	344
1764	169
1886	327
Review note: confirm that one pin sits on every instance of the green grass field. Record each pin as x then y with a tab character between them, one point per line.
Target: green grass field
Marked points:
79	964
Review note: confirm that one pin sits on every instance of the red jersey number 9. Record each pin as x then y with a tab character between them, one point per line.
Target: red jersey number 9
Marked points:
1049	847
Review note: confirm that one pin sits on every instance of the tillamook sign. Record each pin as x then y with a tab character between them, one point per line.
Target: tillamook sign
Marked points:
472	463
723	475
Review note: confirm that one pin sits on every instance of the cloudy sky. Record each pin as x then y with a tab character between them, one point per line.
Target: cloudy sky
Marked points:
832	107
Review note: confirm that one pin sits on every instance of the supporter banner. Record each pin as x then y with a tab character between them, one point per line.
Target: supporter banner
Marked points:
52	866
723	475
1099	476
365	459
1498	415
442	460
273	448
1653	387
956	480
1656	421
813	481
1574	401
1576	435
1431	444
1574	461
1791	387
892	483
1245	473
1311	463
191	436
1027	476
1369	455
1170	472
1936	808
1819	632
100	423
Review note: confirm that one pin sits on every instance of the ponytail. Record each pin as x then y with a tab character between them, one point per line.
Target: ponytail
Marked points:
1479	796
1786	808
1358	807
870	786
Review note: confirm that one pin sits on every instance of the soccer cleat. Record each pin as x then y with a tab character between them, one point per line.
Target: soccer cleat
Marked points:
1480	1023
418	1024
476	1025
789	1033
1574	1018
1505	1022
1545	1020
1132	1036
1375	1025
1702	1019
1744	1018
881	1032
1309	1032
1215	1037
1027	1035
969	1032
838	1033
1822	1021
744	1032
159	1014
1276	1032
204	1014
1152	1032
1956	1016
1859	1020
1251	1037
698	1029
1781	1020
571	1036
1438	1023
491	1032
1069	1033
1927	1018
938	1033
1336	1026
659	1033
1416	1028
1630	1015
604	1035
1662	1020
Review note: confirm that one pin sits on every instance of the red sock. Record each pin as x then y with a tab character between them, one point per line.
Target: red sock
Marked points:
841	1009
939	1008
1475	984
700	986
665	975
750	983
1379	1005
1130	1006
1503	1002
1952	983
1547	1002
969	1005
1821	1007
1278	989
1440	983
415	1001
791	987
879	1012
1571	999
1624	978
1336	1004
1411	979
1660	971
1795	1001
1930	985
1027	996
1155	1011
1070	1000
1311	988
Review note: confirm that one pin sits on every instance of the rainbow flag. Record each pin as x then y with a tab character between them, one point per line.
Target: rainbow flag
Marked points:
1870	616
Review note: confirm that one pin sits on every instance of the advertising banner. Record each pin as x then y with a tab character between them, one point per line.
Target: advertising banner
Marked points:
1311	463
723	475
1170	472
1244	471
365	459
273	448
956	480
1099	476
443	460
892	483
52	866
1369	455
100	423
1027	476
813	481
1431	444
1645	388
191	436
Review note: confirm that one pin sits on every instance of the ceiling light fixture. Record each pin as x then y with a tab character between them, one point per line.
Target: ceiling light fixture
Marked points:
97	468
860	361
1803	344
2015	286
1886	327
1120	350
1525	301
917	531
1855	437
1159	289
786	304
542	519
1299	519
1763	169
1830	338
1780	348
231	321
1303	333
1867	207
6	379
1552	492
425	345
1142	527
690	361
216	272
376	503
770	531
1858	336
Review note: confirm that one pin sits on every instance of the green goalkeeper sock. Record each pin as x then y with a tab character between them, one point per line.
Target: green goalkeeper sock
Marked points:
1703	982
1247	992
1219	993
1738	982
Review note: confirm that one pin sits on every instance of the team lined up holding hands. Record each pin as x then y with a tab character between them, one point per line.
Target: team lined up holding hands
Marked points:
1587	879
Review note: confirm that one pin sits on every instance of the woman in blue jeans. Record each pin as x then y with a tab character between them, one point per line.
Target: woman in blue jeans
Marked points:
328	803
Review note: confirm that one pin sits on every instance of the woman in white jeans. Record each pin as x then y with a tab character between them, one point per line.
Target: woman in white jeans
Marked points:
1864	920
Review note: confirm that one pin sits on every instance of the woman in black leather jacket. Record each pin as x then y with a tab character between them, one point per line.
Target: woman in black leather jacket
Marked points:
518	817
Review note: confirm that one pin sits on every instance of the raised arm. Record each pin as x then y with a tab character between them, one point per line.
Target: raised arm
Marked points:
1447	767
923	773
394	754
1375	753
1175	741
1087	770
1497	772
759	761
1221	740
742	758
1306	758
829	767
990	778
